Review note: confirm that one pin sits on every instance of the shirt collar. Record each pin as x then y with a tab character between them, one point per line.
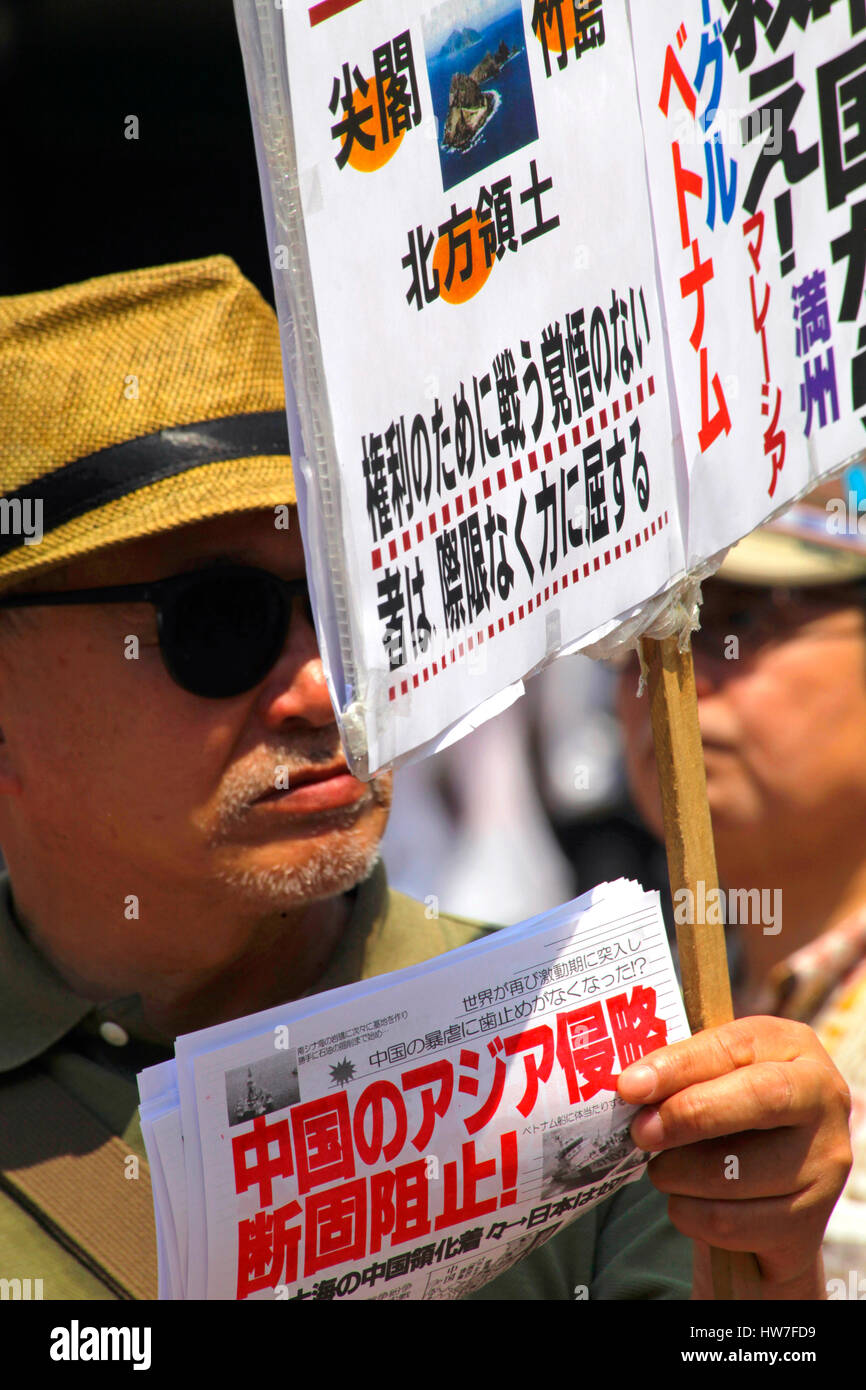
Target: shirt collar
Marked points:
38	1008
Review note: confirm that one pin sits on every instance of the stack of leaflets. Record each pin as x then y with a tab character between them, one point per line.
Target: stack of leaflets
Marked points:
413	1135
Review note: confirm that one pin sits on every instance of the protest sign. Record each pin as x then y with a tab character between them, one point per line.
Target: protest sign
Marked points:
482	240
486	460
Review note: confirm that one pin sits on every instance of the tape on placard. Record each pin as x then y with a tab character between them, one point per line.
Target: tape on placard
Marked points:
552	631
311	191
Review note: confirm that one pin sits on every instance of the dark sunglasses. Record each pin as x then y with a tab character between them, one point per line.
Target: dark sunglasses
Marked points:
760	616
221	629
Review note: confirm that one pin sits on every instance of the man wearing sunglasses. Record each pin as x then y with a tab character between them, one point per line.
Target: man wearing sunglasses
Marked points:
184	841
780	668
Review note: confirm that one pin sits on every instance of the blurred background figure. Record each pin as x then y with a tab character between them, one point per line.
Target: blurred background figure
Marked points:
780	669
488	852
528	811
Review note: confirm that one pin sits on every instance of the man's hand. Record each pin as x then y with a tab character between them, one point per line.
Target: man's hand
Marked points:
763	1092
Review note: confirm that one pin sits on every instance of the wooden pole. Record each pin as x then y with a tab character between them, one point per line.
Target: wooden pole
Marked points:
692	861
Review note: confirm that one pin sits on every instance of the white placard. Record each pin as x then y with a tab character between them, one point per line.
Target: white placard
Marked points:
500	455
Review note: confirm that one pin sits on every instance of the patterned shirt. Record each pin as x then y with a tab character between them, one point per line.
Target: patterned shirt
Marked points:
824	984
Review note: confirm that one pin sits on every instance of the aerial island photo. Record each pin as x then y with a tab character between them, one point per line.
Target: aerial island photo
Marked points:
481	85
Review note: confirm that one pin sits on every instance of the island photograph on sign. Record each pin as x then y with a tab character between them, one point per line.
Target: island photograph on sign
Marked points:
481	87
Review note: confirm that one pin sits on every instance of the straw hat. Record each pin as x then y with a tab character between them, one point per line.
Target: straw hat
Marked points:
133	404
820	540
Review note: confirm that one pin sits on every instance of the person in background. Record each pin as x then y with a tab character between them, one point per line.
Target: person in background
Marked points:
780	670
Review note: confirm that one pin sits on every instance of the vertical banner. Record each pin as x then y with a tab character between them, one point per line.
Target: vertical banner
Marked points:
755	123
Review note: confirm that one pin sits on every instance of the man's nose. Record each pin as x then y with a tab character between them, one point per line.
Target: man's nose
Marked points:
296	690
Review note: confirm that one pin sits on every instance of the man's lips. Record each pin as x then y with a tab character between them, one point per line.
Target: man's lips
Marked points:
317	774
318	788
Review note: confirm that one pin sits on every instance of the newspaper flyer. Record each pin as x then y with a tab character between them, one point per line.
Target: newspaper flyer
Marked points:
413	1136
755	125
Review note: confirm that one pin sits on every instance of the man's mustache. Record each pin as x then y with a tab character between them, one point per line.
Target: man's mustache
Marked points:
271	769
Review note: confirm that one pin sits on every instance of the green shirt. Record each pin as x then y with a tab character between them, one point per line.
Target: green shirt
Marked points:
625	1248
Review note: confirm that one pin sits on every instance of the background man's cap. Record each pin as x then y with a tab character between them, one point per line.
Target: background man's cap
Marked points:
135	403
820	540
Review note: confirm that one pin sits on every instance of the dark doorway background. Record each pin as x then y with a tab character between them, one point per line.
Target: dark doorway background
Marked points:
79	199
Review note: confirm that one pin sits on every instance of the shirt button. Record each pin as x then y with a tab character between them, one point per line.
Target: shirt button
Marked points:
114	1034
